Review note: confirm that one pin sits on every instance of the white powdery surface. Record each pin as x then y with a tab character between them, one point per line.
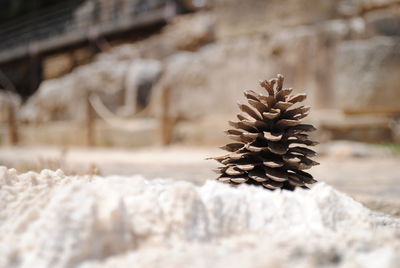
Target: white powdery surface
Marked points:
52	220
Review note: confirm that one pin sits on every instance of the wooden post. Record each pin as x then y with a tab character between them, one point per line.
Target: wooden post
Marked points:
90	123
166	120
12	124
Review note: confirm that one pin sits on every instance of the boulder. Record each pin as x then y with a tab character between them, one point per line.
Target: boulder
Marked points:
120	87
65	97
120	53
52	100
184	33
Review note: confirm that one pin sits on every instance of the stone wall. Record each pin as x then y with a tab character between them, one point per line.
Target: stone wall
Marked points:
344	54
371	84
236	17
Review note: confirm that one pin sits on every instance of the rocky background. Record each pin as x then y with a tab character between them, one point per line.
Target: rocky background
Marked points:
116	198
344	54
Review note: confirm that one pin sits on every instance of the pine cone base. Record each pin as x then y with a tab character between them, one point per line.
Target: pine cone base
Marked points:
269	145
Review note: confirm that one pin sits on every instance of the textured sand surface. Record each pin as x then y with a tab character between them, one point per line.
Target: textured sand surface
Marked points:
52	220
367	173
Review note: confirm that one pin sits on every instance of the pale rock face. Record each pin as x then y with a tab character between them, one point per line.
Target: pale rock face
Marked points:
224	69
367	78
237	17
120	53
65	97
51	220
51	99
118	71
192	76
185	33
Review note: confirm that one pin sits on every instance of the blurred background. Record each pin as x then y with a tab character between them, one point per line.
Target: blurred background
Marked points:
147	86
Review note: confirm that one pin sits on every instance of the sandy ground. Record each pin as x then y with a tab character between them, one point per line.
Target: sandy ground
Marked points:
370	176
48	219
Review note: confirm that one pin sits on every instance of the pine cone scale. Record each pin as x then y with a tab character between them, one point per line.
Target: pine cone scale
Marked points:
281	95
250	111
273	136
275	174
273	163
245	167
270	101
239	179
282	105
272	185
303	151
259	106
231	147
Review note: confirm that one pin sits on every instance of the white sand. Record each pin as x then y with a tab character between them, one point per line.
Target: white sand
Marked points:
50	220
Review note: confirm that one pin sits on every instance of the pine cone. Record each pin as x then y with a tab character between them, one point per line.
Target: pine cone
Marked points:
267	136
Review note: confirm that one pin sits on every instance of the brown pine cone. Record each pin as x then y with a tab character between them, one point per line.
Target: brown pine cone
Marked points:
269	139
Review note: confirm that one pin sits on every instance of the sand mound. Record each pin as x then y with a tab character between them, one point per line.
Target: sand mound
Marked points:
52	220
